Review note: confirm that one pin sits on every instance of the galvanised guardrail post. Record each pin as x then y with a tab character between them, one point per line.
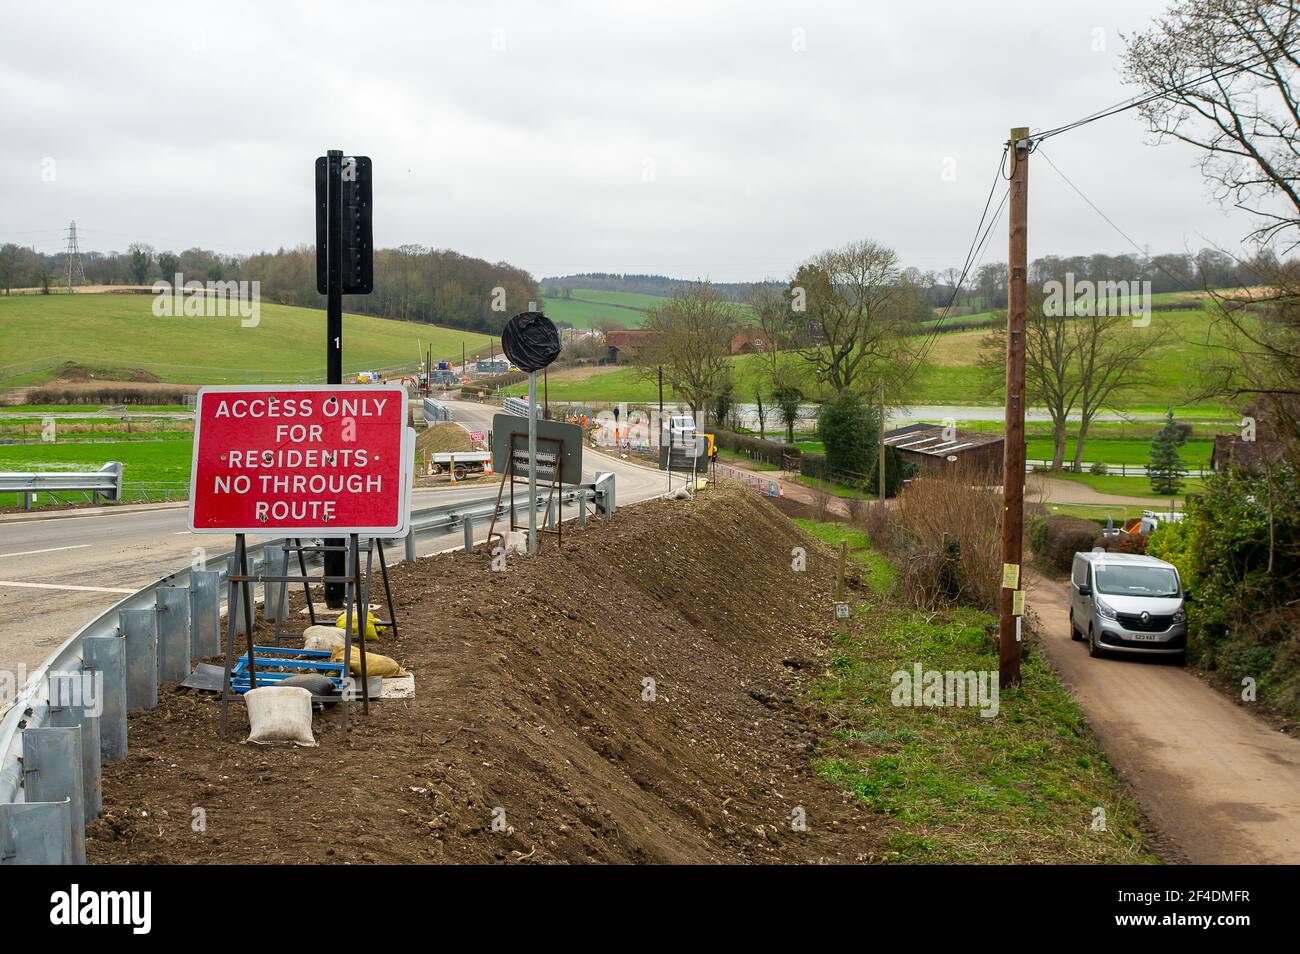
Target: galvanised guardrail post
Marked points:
106	655
469	534
236	610
140	630
36	833
173	614
205	613
52	772
275	599
65	716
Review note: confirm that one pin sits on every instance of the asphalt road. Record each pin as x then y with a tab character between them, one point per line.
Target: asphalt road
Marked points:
57	573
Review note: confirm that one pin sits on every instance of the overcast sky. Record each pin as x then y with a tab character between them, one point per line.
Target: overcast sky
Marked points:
724	140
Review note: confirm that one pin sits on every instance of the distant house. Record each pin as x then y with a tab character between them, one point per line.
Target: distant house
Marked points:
621	345
1232	452
938	449
1267	444
747	341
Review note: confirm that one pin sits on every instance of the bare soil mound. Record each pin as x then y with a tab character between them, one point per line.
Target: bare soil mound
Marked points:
534	707
442	438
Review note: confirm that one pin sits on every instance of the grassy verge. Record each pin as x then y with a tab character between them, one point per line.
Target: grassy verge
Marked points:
1023	786
740	460
839	490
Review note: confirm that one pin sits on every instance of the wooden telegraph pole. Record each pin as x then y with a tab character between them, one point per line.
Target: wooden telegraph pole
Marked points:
882	443
1011	604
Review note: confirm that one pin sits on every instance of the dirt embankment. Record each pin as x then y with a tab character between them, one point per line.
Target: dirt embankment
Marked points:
533	704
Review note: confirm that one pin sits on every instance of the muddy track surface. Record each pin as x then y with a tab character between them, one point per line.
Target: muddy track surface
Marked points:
533	708
1221	785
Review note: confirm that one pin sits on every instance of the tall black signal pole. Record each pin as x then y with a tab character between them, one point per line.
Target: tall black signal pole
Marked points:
344	266
334	559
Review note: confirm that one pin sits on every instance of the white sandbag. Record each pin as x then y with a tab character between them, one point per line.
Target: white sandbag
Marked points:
279	714
327	638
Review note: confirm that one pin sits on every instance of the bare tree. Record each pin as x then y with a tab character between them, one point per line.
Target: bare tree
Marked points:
852	315
140	257
10	255
690	338
1073	363
772	312
1246	120
1051	369
1244	115
1110	355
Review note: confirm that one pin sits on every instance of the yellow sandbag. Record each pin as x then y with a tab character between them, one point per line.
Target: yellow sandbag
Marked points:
376	665
371	631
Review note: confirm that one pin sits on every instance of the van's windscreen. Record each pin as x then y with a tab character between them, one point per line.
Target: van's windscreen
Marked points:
1126	579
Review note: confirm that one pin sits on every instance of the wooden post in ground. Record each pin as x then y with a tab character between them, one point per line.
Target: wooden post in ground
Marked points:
1013	459
839	580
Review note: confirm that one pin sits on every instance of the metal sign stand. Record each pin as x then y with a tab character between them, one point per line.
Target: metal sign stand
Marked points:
554	489
356	587
239	585
373	545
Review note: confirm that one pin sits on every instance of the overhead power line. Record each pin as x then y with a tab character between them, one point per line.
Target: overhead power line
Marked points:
977	244
1141	99
1107	219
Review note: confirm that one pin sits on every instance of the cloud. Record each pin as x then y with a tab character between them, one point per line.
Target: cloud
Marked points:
731	140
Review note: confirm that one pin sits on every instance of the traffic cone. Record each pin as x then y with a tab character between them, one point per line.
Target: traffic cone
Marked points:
487	467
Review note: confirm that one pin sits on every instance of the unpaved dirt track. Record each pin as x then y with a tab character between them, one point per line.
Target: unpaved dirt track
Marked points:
1220	784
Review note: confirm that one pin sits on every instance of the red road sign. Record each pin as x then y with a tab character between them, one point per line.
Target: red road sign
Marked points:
478	437
302	460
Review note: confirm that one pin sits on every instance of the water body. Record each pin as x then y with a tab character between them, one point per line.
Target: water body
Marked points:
936	413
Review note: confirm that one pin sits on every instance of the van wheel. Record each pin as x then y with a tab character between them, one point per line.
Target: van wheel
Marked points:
1094	650
461	472
1074	631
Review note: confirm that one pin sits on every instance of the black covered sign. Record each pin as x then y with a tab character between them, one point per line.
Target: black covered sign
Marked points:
531	341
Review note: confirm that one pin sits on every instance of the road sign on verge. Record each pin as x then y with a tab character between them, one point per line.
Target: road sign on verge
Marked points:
571	434
301	460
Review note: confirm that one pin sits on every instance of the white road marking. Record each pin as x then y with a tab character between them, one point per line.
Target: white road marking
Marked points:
54	586
77	546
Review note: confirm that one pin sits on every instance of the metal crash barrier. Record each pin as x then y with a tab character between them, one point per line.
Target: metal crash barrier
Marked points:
105	482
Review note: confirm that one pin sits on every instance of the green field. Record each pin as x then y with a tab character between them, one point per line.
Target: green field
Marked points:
1195	453
119	332
591	309
952	374
143	462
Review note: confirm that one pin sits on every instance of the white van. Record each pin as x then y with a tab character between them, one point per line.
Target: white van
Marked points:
1127	603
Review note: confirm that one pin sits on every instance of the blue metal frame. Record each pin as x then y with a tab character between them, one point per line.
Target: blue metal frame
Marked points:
316	661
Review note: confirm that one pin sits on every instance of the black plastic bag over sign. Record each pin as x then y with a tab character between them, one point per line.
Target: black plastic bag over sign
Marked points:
530	341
